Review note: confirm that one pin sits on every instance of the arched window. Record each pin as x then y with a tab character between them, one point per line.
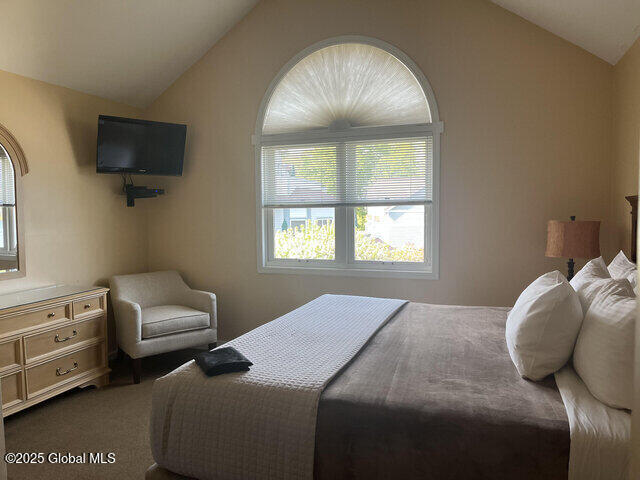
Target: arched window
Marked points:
8	215
347	163
13	165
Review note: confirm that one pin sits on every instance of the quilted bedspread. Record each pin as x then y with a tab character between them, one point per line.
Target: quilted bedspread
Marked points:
261	423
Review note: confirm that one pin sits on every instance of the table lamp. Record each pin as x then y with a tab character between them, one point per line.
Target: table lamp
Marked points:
574	239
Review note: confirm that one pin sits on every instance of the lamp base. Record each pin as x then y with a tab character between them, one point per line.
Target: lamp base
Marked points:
570	265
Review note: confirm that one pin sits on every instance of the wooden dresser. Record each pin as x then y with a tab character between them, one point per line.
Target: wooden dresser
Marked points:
51	340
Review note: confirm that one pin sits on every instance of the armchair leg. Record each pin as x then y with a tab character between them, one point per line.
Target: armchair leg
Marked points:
213	345
136	366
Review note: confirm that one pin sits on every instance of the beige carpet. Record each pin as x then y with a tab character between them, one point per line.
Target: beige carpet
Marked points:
111	419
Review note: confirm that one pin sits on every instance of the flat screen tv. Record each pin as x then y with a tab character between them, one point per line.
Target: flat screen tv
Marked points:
127	145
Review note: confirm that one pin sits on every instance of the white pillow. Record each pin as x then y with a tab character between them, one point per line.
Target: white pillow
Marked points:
603	356
589	280
543	325
622	267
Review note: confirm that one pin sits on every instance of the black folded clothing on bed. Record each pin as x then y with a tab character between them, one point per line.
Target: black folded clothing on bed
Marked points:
222	360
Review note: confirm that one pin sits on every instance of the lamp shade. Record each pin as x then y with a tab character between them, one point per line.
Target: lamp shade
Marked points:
576	239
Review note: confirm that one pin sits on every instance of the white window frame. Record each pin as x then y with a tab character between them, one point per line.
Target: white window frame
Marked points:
345	263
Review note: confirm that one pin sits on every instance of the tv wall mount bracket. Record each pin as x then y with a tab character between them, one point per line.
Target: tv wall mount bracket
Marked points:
138	191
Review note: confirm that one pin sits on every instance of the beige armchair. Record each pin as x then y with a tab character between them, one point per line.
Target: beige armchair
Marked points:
157	312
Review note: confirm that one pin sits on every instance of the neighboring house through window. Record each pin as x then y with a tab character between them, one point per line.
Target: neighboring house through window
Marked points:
347	161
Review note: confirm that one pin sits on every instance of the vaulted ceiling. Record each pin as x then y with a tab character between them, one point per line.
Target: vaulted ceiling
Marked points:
606	28
132	50
124	50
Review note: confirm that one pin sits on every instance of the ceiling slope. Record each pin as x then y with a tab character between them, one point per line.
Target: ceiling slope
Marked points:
606	28
131	51
123	50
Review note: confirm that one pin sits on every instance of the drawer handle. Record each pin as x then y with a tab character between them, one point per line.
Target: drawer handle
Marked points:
60	340
51	315
60	373
87	305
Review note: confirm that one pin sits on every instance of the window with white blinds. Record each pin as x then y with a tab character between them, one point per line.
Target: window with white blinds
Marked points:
382	172
303	176
7	181
347	161
389	172
8	229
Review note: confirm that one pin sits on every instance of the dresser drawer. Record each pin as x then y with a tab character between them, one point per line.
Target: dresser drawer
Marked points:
62	337
10	354
11	389
33	319
61	370
88	307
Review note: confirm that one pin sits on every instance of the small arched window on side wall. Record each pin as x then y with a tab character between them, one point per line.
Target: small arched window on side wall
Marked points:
347	164
12	166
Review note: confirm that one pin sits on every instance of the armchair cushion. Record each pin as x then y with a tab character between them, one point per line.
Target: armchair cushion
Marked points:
168	319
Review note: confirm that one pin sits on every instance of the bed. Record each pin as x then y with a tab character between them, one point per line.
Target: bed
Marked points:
362	388
432	394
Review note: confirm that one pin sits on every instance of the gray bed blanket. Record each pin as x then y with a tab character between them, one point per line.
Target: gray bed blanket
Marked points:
260	424
434	395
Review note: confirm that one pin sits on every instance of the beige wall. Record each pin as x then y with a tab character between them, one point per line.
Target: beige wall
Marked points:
527	138
626	142
77	228
626	138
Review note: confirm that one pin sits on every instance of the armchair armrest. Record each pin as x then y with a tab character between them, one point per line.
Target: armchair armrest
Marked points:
128	316
205	302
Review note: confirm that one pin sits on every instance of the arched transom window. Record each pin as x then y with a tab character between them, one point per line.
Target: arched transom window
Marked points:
347	147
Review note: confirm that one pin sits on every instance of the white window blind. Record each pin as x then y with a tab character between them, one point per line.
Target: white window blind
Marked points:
384	172
359	83
304	175
389	172
7	182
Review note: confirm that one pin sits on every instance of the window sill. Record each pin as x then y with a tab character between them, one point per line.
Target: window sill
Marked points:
8	255
350	272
